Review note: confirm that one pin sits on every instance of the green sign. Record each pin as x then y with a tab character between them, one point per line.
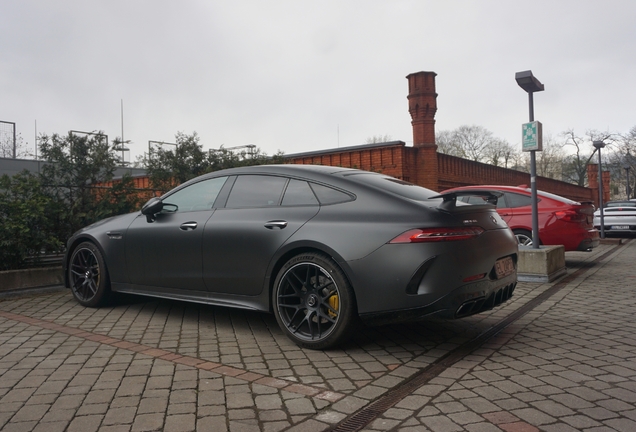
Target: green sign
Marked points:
532	136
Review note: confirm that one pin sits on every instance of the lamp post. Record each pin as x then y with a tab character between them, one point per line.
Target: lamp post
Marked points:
598	145
627	188
530	84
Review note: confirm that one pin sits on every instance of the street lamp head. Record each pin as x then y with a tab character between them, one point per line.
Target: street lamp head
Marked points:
598	144
528	82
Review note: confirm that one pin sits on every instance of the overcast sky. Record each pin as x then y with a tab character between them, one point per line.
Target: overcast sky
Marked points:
297	76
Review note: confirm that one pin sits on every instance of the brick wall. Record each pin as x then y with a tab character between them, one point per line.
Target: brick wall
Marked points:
388	158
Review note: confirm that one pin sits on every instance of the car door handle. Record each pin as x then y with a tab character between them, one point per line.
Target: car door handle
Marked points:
276	224
188	226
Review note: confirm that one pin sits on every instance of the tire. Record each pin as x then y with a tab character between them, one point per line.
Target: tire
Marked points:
524	237
88	276
313	301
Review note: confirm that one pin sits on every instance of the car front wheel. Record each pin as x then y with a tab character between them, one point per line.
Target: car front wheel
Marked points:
88	276
313	301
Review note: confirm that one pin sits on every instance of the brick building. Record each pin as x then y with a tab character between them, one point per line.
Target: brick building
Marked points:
423	165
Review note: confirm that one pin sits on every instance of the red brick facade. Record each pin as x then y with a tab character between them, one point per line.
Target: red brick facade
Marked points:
422	165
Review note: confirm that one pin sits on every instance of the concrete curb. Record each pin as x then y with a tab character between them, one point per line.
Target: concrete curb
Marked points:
30	278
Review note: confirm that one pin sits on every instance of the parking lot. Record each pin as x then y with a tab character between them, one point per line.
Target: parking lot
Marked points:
558	356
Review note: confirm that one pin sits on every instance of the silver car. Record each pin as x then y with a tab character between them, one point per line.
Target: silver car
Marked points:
618	217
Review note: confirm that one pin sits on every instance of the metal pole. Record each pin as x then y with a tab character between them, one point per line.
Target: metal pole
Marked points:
14	143
533	183
122	132
600	193
627	181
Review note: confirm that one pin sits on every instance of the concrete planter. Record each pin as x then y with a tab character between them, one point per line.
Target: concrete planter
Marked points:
30	278
541	265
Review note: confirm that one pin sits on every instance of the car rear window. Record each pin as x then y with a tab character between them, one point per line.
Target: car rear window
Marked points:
396	186
557	198
621	204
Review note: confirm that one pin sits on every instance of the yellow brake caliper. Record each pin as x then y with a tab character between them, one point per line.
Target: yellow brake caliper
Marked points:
334	303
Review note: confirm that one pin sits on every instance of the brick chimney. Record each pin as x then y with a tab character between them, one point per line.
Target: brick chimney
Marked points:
592	183
422	107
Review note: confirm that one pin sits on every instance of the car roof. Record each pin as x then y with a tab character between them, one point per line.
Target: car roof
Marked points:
334	176
285	169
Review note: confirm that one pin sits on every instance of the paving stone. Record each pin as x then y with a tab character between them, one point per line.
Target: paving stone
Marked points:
542	366
148	422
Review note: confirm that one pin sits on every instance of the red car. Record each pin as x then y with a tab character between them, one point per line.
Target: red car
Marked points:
561	220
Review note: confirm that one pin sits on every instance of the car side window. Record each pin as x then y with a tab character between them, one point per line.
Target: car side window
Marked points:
198	196
256	191
517	200
299	193
327	195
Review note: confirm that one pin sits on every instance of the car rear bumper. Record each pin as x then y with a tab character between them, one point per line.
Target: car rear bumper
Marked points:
590	242
464	301
572	237
619	228
432	278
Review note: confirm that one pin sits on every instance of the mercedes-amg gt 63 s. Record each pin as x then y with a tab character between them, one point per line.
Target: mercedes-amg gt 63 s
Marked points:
321	247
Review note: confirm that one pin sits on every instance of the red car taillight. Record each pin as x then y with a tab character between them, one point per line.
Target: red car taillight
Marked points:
570	216
426	235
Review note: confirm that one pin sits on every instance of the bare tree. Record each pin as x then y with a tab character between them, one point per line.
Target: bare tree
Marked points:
575	165
500	153
620	161
550	159
375	139
6	147
476	143
447	145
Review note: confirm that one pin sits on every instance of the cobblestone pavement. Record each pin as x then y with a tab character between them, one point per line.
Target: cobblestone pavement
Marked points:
144	364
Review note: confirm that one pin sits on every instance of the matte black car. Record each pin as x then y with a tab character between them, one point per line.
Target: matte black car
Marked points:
318	246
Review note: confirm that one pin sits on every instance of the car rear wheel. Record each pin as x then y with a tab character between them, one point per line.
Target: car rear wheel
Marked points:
313	301
523	237
88	276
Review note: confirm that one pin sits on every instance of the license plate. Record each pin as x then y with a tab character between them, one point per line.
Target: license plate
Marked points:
620	227
504	267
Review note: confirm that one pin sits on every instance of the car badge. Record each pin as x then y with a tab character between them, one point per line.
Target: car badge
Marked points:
494	220
470	221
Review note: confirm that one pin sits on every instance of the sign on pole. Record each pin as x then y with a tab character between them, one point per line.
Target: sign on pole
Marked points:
532	136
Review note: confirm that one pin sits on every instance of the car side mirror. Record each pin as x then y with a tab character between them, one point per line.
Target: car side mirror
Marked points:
151	208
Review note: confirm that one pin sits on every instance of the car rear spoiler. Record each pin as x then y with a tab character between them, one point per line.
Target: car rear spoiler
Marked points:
450	198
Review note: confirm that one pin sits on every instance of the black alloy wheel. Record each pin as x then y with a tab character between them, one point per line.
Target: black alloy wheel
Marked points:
313	301
88	276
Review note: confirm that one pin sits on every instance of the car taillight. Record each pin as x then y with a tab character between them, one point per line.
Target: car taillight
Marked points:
570	216
426	235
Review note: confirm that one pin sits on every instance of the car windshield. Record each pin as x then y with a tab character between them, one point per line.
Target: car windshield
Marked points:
396	186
